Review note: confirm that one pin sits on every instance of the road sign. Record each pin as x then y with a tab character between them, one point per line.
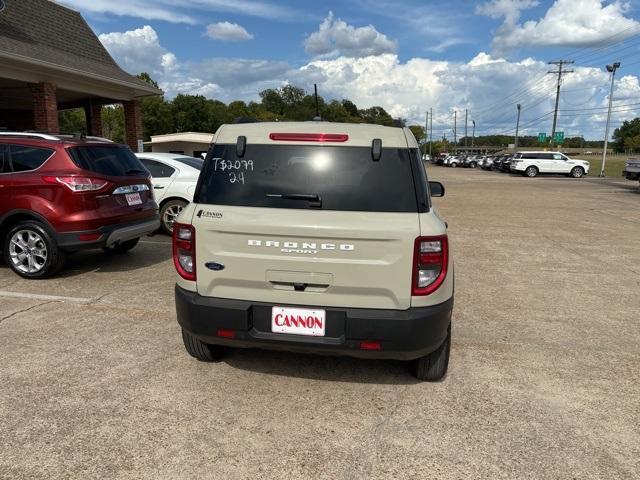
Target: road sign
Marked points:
559	137
542	137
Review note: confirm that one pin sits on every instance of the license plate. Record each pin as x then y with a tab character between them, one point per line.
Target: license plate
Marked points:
133	198
298	321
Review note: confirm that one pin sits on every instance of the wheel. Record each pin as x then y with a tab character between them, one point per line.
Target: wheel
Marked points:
122	247
31	252
454	165
577	172
531	171
473	165
200	350
169	213
433	367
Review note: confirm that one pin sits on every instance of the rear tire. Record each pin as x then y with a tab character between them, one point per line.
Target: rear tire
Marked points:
531	172
122	247
577	172
453	165
200	350
433	367
169	213
473	165
31	251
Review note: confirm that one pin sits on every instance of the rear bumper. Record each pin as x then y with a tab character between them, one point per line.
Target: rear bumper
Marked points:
109	235
403	334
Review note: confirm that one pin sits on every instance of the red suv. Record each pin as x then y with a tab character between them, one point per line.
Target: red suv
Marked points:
60	194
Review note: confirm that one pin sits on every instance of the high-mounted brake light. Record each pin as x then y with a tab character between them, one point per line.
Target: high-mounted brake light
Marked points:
184	251
309	137
430	263
78	184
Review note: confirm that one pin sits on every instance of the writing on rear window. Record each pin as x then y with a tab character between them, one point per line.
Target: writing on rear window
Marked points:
236	169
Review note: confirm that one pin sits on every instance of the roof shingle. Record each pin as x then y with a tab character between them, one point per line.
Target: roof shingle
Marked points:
45	31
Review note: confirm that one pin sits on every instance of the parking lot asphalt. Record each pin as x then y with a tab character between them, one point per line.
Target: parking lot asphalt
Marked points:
543	380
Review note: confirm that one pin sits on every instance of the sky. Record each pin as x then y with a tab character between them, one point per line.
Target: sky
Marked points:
481	56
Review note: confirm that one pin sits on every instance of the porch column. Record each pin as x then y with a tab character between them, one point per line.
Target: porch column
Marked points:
133	124
93	114
45	107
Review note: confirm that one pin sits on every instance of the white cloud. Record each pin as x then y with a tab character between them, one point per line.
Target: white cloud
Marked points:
568	23
488	86
337	38
230	32
139	51
509	9
182	11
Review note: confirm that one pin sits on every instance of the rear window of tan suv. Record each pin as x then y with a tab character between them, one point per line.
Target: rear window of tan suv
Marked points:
332	178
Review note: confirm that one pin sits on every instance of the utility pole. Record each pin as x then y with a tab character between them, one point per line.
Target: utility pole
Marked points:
426	132
559	72
473	135
455	133
466	112
612	70
517	128
430	130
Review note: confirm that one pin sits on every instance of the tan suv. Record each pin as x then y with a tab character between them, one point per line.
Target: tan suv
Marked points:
315	237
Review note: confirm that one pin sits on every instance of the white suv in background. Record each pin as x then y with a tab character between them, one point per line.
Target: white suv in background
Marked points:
174	179
531	164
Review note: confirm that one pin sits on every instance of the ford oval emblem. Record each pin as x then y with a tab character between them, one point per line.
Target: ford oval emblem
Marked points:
216	267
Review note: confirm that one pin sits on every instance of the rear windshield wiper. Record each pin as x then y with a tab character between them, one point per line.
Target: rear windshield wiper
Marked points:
134	171
313	198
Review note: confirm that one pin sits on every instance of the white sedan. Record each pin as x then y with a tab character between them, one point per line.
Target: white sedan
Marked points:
174	179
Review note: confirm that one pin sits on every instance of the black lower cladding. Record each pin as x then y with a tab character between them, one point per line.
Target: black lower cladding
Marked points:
109	235
403	334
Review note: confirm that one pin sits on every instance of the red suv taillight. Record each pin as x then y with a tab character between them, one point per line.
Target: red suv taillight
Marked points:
184	251
78	184
430	263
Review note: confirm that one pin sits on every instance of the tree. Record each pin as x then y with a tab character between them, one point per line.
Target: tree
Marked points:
113	122
351	108
191	113
72	121
418	132
147	78
624	135
377	115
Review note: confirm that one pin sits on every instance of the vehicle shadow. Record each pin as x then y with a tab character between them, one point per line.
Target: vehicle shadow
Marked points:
321	367
142	256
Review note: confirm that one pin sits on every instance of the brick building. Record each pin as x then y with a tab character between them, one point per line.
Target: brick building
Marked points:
51	60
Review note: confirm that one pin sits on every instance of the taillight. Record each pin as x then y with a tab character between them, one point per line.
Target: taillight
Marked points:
430	262
184	251
78	184
309	137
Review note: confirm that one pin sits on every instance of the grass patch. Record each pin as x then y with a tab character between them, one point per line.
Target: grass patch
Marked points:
613	168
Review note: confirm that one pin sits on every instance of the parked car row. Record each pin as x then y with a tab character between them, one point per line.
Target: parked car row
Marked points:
529	164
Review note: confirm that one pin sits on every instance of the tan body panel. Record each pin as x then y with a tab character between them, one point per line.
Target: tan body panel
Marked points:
360	259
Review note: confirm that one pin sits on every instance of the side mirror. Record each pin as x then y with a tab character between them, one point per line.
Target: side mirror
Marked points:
437	189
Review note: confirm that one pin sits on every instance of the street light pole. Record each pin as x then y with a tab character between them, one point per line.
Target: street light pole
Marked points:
611	69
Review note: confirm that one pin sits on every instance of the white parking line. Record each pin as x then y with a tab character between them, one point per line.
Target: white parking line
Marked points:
152	241
52	298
